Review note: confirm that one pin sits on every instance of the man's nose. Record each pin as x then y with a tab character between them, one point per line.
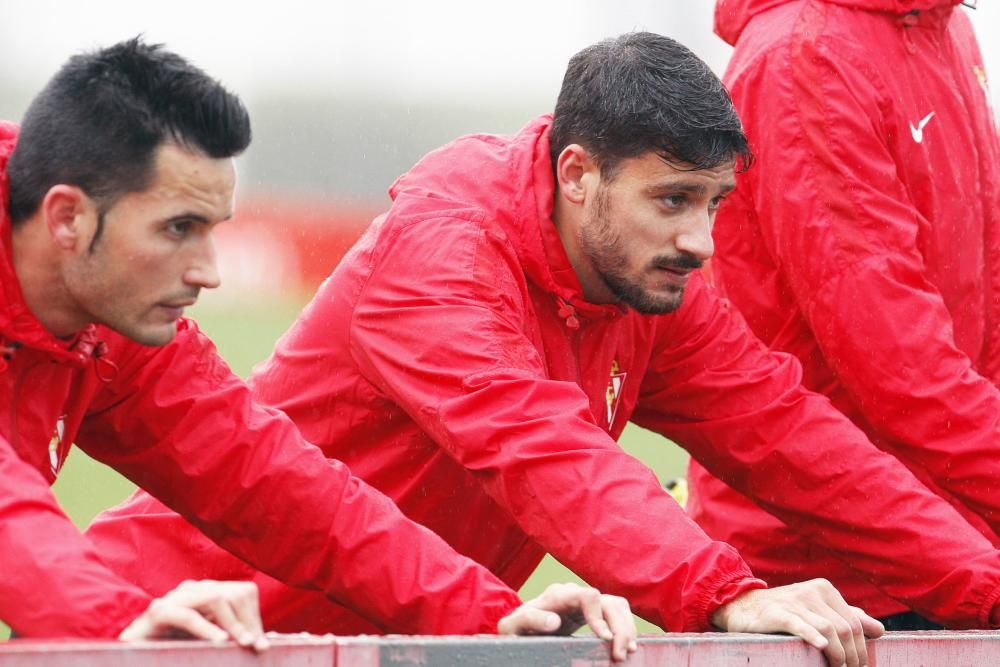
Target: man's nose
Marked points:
696	237
204	270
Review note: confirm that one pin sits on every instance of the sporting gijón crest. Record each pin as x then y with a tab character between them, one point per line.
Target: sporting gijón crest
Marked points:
57	446
615	383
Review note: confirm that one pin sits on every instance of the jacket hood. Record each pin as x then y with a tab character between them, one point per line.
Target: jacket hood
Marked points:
18	325
732	16
510	180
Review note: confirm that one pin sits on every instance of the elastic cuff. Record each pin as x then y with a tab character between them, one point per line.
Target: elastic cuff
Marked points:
726	592
124	615
492	620
989	613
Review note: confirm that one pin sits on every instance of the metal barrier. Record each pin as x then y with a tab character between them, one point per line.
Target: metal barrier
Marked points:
898	649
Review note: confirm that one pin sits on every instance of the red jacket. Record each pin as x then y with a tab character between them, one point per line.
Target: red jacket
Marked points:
177	422
866	242
451	360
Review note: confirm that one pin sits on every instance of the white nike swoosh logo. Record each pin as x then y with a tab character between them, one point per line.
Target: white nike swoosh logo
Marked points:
918	131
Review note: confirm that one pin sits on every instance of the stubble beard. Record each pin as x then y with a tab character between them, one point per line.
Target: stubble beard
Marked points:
604	247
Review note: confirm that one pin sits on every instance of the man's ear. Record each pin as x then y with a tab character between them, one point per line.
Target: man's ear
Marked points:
577	173
67	212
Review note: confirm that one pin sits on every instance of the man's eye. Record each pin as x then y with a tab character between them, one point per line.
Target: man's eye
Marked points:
179	228
715	204
674	201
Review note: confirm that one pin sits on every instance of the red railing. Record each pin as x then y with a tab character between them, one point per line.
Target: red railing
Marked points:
899	649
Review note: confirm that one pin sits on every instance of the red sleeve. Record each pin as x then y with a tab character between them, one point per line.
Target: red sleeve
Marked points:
840	223
740	410
483	395
178	423
53	583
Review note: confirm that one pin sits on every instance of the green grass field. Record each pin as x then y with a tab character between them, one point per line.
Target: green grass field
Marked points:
245	336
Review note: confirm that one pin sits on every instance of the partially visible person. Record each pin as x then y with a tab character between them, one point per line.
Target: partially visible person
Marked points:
866	242
478	352
110	193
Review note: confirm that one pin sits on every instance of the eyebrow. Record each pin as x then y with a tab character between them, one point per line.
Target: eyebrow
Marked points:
688	186
197	217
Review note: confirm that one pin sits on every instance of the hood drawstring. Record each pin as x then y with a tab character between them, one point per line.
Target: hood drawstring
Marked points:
568	313
7	353
105	368
85	347
97	350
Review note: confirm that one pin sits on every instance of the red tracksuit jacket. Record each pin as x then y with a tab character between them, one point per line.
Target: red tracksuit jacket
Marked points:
866	242
176	421
451	360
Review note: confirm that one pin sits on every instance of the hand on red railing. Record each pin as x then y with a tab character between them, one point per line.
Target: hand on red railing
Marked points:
813	610
563	608
213	610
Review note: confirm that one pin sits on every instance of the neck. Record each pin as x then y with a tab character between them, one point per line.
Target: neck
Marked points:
567	218
37	269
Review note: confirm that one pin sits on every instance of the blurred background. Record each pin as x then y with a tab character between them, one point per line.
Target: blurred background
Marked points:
344	97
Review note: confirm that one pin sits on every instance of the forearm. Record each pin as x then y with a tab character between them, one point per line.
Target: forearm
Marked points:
740	411
54	584
242	474
586	501
808	466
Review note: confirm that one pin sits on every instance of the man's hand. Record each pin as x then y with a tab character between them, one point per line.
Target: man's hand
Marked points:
563	608
214	610
813	610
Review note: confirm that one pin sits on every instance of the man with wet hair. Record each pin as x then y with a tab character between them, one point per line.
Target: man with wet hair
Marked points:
478	352
111	191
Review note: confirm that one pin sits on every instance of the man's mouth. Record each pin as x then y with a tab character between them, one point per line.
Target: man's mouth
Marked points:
675	270
673	275
175	309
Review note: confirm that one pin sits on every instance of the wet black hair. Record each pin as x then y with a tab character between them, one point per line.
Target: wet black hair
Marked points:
639	92
99	120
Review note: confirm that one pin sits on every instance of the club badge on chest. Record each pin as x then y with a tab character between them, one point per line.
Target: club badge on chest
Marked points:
56	445
613	396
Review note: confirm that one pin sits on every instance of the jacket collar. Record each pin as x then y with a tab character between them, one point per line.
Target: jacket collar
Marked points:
547	262
732	16
18	325
510	179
